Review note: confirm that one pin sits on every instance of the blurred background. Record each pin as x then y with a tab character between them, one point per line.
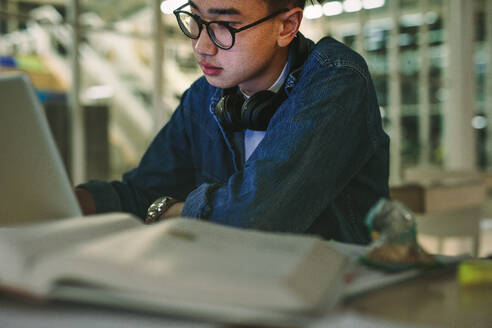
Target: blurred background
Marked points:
110	73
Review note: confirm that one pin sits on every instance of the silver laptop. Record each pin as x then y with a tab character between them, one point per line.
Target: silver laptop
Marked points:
34	185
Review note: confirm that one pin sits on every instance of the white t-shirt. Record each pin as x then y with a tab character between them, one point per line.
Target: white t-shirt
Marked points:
253	138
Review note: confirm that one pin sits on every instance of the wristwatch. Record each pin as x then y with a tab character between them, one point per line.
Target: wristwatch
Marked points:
159	207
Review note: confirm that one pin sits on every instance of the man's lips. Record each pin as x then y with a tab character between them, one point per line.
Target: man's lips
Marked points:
209	69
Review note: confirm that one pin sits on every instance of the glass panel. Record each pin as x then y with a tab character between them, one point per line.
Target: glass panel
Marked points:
436	85
116	68
481	68
376	37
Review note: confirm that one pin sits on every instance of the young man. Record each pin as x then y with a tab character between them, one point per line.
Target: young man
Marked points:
308	156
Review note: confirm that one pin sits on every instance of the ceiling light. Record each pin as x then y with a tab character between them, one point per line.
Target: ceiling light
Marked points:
372	4
313	11
351	6
332	8
168	6
479	122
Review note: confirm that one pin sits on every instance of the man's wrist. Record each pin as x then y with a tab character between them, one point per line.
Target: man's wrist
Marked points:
173	211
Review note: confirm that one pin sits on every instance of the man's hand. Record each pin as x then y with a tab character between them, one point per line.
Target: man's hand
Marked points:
86	201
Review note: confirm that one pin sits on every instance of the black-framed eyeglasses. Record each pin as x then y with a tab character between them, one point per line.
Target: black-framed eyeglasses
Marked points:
220	32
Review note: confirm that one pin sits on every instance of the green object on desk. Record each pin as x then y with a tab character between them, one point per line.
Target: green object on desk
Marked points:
475	272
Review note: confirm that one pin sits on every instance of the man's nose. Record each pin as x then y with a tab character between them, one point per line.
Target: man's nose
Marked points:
205	46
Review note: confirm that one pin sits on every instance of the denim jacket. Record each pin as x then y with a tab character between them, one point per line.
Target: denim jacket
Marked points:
323	162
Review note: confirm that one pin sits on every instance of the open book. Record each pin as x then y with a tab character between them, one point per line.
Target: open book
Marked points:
179	266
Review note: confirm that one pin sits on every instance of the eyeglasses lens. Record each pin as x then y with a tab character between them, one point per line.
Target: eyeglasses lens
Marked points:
219	33
188	25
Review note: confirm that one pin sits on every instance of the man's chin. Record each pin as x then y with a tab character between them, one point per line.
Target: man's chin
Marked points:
219	83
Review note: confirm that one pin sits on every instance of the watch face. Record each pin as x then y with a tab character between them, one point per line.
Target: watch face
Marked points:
155	210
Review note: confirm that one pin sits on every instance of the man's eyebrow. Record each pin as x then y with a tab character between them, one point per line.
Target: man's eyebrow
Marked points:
224	11
218	11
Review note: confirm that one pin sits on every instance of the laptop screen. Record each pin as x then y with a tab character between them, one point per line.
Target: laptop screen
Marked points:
34	185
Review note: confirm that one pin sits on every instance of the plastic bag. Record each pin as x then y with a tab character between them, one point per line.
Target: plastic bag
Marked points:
394	247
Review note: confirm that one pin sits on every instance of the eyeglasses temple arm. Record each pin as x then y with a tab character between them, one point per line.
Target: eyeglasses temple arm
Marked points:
236	30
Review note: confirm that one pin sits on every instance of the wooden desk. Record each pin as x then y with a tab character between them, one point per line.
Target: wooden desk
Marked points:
437	301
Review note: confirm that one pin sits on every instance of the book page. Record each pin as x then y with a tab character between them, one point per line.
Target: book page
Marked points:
191	260
22	247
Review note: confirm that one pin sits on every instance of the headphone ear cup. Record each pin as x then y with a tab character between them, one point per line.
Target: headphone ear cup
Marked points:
228	111
257	111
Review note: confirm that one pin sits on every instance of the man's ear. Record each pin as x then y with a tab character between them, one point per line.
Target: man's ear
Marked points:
289	26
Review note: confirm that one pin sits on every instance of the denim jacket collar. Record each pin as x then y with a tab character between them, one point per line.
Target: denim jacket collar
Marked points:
298	52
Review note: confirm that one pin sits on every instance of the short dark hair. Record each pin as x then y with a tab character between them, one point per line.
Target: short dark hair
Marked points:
277	4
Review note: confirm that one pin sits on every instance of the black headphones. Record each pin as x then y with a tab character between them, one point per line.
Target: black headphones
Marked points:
236	113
